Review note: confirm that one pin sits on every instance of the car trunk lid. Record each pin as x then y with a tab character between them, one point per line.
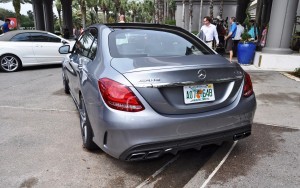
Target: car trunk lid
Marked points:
183	85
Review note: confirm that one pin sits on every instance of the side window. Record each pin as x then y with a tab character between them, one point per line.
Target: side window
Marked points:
39	37
52	38
87	44
94	47
21	37
93	50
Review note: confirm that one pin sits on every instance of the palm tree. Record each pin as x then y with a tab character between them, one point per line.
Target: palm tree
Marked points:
58	8
172	9
165	6
82	5
200	15
190	15
221	8
123	6
183	14
17	7
149	10
104	5
93	10
211	8
134	7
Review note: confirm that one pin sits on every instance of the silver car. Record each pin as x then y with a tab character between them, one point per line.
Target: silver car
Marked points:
143	90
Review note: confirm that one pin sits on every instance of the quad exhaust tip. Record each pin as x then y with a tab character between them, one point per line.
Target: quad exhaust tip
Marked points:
144	155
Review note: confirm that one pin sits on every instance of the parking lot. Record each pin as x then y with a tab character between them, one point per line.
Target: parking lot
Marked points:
41	142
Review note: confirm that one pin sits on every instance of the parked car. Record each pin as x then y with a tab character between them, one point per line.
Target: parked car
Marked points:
165	92
21	48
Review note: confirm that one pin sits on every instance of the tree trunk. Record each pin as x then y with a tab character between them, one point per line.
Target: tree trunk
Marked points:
96	11
221	8
59	19
200	15
183	14
83	13
190	15
17	6
211	8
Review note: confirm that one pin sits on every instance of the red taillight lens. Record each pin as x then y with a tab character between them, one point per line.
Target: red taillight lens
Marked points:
248	89
119	96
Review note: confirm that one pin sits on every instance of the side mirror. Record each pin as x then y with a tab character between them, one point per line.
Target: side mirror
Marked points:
64	49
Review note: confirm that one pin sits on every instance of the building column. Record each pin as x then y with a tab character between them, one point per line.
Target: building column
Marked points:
281	27
67	15
48	15
38	15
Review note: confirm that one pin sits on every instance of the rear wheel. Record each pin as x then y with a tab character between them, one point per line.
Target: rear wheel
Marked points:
86	129
10	63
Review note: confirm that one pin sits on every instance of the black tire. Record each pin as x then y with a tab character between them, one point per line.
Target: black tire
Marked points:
86	129
65	84
10	63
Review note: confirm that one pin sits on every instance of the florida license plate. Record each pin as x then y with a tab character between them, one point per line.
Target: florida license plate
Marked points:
198	93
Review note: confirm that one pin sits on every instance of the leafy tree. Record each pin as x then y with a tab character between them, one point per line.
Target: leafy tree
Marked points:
93	9
82	5
6	13
59	9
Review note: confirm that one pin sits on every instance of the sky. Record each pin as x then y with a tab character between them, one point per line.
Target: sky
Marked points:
24	7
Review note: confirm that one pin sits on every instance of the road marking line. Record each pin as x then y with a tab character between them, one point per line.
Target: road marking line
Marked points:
38	109
219	166
157	172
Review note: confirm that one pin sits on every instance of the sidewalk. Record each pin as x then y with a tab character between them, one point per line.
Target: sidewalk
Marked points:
252	67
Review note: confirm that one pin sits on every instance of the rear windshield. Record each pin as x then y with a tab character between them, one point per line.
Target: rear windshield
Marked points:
151	43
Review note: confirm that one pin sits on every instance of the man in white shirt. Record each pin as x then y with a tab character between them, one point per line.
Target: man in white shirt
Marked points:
209	32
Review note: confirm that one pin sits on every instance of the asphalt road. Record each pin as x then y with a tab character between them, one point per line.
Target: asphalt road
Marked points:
40	143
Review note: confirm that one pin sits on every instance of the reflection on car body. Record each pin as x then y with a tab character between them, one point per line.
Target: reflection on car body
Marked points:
143	90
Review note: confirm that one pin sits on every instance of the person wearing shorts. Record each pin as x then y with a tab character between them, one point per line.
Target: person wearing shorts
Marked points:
230	36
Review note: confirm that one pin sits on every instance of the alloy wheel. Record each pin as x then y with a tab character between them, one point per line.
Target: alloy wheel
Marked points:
9	63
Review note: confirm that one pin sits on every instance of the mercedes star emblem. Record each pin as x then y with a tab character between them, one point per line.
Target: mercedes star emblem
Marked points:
202	74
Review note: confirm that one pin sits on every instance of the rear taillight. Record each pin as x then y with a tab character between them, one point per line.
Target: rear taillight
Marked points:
248	89
119	96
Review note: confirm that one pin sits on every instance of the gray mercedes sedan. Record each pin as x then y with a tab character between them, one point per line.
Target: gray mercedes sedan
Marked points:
143	90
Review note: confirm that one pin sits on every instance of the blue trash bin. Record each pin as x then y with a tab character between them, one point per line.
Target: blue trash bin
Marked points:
246	52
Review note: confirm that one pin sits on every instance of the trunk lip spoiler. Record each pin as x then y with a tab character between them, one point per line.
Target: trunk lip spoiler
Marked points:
176	84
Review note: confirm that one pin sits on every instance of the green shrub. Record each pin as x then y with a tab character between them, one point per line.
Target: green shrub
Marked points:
170	22
297	72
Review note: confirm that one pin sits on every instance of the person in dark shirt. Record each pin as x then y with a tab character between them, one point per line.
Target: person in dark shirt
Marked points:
5	27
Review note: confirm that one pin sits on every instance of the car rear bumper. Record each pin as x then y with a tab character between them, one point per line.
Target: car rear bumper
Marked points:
121	134
153	150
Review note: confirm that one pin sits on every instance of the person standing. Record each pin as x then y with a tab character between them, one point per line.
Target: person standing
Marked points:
209	32
122	19
221	29
229	37
253	31
5	27
239	30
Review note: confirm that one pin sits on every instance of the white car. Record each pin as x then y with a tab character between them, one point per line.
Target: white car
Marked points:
23	48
